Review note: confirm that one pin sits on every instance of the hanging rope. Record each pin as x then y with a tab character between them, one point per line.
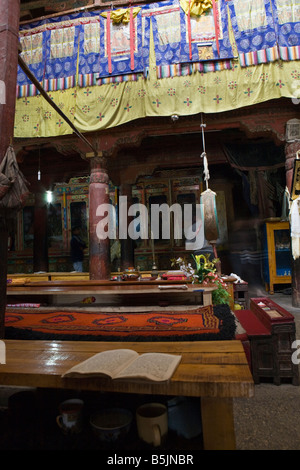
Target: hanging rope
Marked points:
203	155
208	206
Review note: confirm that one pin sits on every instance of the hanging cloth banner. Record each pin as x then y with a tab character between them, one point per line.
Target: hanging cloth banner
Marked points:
204	36
119	16
295	228
34	52
62	55
121	42
197	8
162	21
209	215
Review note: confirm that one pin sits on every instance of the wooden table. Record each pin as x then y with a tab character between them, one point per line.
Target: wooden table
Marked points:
216	371
152	292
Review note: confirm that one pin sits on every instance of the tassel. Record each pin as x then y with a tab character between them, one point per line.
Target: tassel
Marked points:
205	167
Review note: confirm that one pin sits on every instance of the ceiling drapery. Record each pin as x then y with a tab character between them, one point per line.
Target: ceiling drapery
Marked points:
156	65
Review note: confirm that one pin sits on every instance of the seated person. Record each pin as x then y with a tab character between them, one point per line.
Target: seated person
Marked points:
77	250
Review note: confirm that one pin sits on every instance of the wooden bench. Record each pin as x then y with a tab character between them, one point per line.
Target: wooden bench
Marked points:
215	371
271	331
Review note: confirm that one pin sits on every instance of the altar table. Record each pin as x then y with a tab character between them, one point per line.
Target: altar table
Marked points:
214	371
144	292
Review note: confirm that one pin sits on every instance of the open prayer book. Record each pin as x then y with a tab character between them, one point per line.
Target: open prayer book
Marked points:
126	364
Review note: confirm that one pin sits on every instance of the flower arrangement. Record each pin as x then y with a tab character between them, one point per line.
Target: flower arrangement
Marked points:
205	274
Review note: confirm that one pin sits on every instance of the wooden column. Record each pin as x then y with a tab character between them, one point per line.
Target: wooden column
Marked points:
127	244
40	245
99	250
291	149
9	33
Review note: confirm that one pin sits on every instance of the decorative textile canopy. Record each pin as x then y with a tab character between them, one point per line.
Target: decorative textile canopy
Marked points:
188	35
158	63
94	108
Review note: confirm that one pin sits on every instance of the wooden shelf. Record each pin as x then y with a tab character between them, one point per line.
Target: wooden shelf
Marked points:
276	270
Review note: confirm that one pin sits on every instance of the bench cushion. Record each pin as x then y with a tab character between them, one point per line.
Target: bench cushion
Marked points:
203	323
252	325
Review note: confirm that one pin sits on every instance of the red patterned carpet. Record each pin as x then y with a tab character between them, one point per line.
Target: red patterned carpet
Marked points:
207	323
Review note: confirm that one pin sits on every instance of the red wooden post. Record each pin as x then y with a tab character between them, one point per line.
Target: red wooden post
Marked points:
9	38
99	249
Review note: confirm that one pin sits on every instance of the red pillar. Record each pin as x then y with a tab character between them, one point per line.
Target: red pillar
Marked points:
9	33
99	249
291	149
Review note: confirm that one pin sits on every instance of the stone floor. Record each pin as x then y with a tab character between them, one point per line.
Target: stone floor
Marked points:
271	419
268	421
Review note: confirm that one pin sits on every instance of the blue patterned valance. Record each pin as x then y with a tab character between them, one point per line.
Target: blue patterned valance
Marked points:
287	19
254	31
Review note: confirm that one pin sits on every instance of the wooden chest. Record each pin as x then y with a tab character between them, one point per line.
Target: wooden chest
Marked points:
271	331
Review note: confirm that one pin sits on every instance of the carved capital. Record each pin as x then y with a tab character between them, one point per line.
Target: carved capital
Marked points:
98	163
99	170
99	178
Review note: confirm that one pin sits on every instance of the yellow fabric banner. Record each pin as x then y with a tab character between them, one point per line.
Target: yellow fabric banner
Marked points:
35	117
106	106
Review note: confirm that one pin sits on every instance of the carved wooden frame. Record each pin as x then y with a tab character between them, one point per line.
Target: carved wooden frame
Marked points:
295	189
